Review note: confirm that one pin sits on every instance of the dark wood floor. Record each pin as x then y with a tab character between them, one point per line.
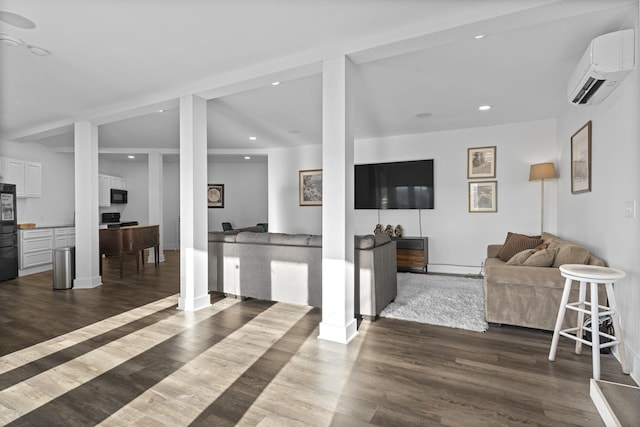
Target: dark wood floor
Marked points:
121	354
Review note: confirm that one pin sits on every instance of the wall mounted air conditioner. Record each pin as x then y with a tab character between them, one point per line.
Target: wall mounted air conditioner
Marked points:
606	62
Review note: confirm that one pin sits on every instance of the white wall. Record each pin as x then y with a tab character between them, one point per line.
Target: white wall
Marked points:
57	204
597	218
285	213
245	193
137	176
458	239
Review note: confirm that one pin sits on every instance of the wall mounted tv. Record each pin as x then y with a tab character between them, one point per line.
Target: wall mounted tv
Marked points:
396	185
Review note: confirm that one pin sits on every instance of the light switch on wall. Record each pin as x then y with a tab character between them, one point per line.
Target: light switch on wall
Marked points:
630	209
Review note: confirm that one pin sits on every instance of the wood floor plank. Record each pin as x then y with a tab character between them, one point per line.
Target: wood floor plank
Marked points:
121	354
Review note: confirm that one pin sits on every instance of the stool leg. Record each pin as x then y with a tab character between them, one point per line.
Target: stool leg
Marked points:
581	299
595	331
561	310
616	327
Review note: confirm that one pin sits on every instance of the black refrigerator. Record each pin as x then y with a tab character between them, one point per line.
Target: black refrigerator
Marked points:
8	233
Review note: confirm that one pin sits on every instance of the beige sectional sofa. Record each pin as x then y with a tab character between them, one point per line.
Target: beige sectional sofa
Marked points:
288	268
529	295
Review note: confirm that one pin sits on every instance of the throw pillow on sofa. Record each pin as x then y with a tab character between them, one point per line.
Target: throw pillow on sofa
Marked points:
571	254
515	243
520	257
541	258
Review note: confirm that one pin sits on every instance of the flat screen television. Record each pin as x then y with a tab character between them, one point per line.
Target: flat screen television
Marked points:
395	185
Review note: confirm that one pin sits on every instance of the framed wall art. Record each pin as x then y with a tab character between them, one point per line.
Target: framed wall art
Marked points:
215	195
310	187
483	196
581	160
481	162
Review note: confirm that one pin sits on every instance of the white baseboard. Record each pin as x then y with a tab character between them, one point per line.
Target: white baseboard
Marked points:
454	269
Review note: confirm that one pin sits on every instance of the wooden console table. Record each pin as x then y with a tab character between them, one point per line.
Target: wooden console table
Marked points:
412	253
137	238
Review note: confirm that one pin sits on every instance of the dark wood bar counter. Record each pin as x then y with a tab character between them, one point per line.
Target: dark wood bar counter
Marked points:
136	238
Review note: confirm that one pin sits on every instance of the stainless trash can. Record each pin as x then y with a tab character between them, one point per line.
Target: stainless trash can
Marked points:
64	267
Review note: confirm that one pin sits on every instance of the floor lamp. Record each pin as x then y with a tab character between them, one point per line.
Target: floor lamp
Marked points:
540	172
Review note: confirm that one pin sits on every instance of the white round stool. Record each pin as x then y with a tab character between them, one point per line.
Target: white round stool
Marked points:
593	275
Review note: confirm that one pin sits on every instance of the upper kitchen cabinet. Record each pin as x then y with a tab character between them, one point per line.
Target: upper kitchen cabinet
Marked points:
106	183
26	175
104	193
118	183
32	179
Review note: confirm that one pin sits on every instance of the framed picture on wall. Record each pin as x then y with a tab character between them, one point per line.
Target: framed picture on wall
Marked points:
481	162
215	195
310	187
483	196
581	160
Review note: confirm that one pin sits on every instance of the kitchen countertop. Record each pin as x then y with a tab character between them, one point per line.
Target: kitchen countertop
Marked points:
48	226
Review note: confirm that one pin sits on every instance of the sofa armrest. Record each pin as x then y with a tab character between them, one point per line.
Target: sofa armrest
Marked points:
492	251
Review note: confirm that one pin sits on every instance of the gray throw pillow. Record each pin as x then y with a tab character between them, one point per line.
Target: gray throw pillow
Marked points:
520	257
541	258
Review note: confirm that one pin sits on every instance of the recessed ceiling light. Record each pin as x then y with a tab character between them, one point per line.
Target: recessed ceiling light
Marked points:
38	51
9	40
479	36
423	115
484	107
247	157
131	157
253	138
161	111
275	83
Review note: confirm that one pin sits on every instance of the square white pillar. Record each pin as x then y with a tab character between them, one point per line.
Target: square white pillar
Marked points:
86	206
338	322
156	200
194	289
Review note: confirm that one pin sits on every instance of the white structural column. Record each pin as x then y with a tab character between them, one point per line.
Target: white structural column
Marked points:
338	322
86	206
194	292
156	200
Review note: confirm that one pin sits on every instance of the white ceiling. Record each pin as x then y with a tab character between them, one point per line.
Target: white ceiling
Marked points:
118	62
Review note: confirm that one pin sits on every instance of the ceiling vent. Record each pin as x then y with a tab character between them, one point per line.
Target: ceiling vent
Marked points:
606	62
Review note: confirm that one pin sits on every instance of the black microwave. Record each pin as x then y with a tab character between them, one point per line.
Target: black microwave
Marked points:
118	196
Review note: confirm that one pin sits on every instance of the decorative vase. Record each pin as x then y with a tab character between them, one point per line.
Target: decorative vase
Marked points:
398	230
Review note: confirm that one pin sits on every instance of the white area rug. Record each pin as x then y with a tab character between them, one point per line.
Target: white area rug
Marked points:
457	302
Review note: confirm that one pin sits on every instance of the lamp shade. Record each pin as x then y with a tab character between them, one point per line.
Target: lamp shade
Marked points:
542	171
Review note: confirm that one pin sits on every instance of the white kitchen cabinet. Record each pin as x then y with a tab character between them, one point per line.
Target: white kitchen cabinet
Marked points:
15	175
26	175
3	169
36	247
64	236
32	179
118	183
104	193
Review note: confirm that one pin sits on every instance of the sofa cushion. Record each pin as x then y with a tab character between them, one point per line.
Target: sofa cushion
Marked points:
364	242
515	243
571	254
289	239
520	257
253	237
381	239
315	241
541	258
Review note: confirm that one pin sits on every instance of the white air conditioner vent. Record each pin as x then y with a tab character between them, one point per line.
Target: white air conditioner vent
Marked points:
607	61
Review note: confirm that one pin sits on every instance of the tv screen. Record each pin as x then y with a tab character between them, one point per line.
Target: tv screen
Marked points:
396	185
